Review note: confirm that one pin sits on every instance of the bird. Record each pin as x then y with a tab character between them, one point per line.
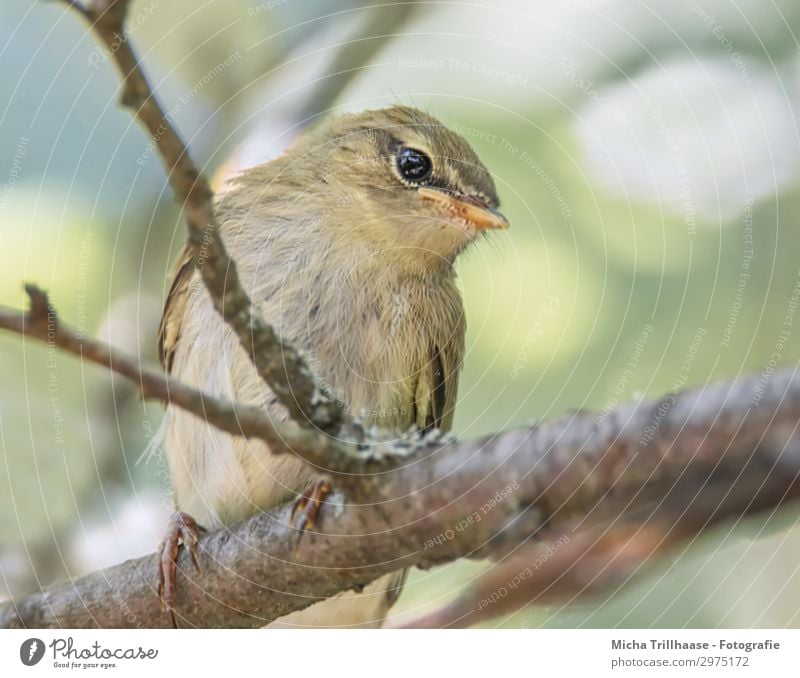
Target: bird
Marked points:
346	243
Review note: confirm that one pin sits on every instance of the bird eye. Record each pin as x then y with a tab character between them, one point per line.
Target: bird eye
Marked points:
414	166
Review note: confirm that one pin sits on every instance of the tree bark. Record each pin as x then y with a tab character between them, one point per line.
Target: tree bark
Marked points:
469	499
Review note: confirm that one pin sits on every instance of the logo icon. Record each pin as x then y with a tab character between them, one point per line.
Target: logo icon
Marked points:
31	651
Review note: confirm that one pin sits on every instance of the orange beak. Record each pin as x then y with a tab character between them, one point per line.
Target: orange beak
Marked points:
479	215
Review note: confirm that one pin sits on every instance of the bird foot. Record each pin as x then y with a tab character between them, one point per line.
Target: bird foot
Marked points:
182	530
307	506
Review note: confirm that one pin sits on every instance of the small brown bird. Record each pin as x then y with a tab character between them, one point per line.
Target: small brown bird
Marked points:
347	244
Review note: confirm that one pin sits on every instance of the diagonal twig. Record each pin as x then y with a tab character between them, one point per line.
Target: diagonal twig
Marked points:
277	361
41	322
354	465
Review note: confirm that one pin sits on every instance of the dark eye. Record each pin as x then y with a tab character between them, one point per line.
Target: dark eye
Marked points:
414	166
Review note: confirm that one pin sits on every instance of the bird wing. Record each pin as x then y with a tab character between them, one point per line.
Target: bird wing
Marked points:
169	331
429	401
435	396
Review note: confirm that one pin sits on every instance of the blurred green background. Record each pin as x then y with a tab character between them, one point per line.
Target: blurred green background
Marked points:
647	155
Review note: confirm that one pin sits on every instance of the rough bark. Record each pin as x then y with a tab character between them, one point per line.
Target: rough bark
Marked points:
473	499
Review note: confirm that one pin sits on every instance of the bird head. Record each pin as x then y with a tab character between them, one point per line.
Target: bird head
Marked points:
395	181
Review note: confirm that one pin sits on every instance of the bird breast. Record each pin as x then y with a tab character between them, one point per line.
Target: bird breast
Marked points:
368	330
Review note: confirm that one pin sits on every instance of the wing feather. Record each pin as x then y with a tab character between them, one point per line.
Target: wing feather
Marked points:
169	330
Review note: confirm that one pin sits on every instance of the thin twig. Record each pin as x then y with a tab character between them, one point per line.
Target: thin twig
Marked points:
277	361
41	322
353	465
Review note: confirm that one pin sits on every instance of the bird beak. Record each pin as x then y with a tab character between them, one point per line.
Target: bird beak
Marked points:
475	212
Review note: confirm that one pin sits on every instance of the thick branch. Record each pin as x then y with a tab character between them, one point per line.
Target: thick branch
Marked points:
615	543
469	499
278	362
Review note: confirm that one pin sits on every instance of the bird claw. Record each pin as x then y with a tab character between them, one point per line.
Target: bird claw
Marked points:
307	506
182	530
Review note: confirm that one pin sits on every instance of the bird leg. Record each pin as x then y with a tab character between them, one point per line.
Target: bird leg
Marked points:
182	530
307	506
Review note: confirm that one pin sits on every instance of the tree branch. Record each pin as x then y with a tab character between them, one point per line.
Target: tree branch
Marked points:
469	499
41	322
350	463
277	361
620	543
619	486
